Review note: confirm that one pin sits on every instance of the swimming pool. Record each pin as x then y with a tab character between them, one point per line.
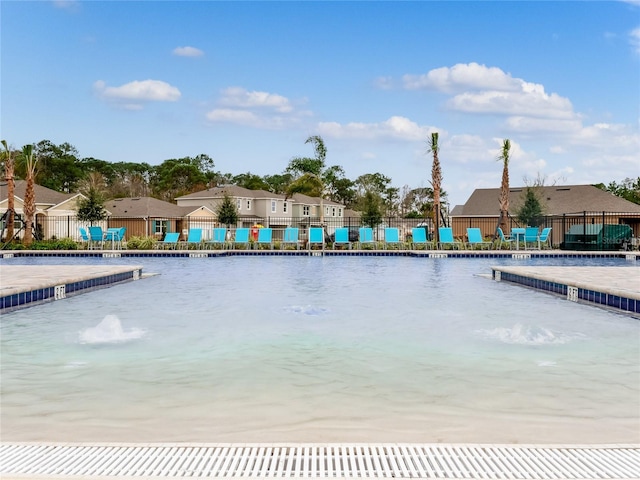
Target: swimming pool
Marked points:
319	349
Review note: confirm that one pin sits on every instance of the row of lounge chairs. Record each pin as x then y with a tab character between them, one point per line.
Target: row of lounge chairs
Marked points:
221	238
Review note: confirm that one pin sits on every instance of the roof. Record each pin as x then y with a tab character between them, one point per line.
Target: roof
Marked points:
556	200
145	207
44	195
307	200
232	191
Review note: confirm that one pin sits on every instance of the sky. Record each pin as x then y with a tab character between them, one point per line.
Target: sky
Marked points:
248	82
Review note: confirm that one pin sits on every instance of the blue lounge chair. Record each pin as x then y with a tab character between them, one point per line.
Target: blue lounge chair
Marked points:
316	237
419	237
365	237
97	237
290	237
530	236
392	237
446	238
170	241
502	239
218	237
241	237
342	237
545	238
84	236
194	238
264	238
474	239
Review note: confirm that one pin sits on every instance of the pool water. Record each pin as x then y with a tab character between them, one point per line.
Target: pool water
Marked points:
319	349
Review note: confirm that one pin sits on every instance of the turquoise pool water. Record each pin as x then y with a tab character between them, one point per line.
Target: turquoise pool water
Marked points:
355	349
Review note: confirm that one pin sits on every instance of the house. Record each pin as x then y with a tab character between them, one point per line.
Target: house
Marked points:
562	205
51	207
307	211
148	216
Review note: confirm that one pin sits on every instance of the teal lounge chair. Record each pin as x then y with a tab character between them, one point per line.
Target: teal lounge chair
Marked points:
531	236
264	238
316	237
242	237
419	237
545	238
84	236
194	238
392	237
170	241
218	238
446	238
474	239
365	237
342	237
502	239
290	237
97	237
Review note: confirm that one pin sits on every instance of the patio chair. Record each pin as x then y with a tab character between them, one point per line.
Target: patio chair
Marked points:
241	237
316	237
365	237
97	236
502	239
115	236
531	236
170	241
474	239
544	238
218	237
342	237
446	238
264	238
419	237
392	237
290	237
517	234
84	236
194	238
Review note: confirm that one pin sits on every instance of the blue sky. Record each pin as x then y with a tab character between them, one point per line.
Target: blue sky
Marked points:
247	82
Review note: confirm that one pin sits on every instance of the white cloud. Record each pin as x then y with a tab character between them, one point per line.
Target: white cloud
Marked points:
239	117
241	98
383	83
461	77
188	52
131	94
634	39
396	127
71	5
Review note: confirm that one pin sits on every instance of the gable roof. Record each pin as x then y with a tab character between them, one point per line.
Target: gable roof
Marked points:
307	200
232	191
556	200
44	195
145	207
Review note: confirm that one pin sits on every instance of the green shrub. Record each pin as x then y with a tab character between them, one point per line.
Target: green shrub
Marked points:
141	243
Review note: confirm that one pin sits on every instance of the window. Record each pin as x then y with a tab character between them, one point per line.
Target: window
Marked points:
333	211
305	210
274	206
160	227
284	207
326	211
248	204
239	204
339	212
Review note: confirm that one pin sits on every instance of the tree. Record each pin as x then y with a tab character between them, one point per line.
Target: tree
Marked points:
504	186
629	189
250	181
9	175
176	177
227	211
91	208
436	182
30	161
371	214
530	212
58	166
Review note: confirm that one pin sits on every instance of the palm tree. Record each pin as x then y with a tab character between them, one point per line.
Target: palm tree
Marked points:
9	169
436	183
504	186
30	161
310	171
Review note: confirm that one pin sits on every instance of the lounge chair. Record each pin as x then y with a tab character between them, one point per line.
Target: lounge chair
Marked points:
419	237
84	236
218	237
97	237
264	238
290	237
502	239
342	237
392	237
241	237
170	241
194	238
446	238
544	238
474	239
531	236
365	237
316	237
